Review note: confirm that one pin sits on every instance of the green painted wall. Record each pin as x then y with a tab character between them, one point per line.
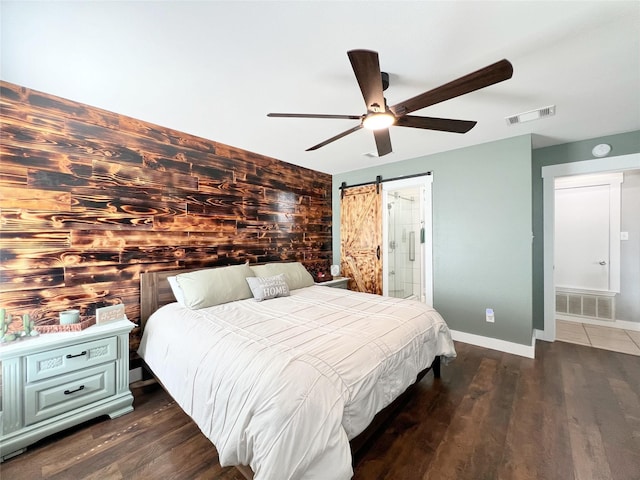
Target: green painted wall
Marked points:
481	233
622	144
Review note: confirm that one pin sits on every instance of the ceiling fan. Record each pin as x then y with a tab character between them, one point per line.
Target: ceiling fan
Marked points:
380	117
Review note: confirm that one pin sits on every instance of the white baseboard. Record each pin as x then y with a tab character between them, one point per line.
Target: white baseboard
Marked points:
622	324
528	351
135	375
539	334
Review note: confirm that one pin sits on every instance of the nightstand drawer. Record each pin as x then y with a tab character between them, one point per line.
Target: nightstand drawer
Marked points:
49	398
69	359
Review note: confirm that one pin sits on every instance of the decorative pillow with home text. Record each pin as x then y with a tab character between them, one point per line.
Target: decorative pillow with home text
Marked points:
264	288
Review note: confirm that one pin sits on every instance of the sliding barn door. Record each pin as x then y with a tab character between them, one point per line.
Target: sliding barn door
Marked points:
361	233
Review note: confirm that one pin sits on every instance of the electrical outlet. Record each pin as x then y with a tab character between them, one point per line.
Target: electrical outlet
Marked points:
490	315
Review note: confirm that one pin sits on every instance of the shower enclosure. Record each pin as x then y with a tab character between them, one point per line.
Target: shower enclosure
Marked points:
403	255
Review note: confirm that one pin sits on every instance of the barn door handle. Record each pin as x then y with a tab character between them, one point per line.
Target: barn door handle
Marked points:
378	252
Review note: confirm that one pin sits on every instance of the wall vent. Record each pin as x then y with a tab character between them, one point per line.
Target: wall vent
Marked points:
531	115
589	305
575	304
562	305
605	308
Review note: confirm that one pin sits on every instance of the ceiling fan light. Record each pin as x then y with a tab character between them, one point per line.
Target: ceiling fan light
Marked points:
378	120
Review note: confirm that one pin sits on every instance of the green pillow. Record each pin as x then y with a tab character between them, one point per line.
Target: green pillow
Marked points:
294	273
214	286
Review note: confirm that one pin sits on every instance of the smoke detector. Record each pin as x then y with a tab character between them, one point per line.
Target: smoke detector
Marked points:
601	150
531	115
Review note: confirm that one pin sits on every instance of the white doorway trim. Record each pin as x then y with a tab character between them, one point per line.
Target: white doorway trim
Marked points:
549	174
424	183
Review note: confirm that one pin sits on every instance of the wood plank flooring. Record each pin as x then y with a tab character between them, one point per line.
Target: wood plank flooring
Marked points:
572	413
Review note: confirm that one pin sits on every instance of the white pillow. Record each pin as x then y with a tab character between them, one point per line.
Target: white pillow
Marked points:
294	273
175	288
214	286
264	288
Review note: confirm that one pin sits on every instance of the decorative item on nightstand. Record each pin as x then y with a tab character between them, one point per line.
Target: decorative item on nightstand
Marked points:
321	277
28	327
69	317
319	271
110	314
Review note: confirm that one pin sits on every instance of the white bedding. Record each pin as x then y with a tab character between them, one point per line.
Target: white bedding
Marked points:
283	385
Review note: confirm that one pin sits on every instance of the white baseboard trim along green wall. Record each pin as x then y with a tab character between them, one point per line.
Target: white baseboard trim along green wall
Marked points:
528	351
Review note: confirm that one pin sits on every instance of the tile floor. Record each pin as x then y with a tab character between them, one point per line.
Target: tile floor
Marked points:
607	338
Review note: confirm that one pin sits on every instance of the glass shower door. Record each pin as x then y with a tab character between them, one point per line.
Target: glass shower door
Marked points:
403	272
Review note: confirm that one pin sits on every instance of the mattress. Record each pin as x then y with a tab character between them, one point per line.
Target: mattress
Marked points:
282	385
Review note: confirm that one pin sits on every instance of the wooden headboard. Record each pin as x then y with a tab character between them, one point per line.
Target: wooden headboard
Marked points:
155	291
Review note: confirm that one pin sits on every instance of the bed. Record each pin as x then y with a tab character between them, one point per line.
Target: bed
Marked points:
283	385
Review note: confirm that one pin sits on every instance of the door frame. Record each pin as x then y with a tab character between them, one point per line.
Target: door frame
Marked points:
423	182
549	174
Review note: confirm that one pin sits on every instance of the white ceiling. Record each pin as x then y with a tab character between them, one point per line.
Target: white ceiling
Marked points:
216	68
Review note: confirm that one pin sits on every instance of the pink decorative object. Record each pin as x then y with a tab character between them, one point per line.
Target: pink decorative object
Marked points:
72	327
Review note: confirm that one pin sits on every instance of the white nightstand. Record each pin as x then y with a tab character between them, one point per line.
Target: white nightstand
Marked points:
337	282
58	380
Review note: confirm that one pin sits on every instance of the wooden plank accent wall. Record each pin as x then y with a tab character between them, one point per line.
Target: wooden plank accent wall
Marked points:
89	199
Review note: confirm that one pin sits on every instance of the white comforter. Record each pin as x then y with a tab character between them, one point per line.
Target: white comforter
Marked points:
283	385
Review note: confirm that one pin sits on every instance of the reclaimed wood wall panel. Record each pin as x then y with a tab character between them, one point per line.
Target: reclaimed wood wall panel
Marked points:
90	199
32	198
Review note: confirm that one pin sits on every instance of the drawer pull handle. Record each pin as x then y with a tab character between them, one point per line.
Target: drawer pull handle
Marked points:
69	392
78	355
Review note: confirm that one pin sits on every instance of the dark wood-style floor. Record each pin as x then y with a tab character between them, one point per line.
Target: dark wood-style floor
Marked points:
572	413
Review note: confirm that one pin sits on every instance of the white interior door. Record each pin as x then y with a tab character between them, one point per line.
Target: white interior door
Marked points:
582	246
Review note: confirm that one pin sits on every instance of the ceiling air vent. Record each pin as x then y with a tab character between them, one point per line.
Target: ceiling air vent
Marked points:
531	115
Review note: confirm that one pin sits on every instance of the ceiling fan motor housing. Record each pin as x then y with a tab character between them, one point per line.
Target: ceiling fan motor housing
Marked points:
385	80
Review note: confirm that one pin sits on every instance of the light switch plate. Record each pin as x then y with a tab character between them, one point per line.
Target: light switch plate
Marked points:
110	314
624	235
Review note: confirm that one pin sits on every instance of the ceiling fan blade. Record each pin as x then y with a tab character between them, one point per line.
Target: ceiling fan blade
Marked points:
333	139
314	115
495	73
383	141
367	69
432	123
